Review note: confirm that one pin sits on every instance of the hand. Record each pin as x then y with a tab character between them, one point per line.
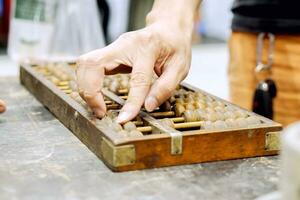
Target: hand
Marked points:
163	47
2	106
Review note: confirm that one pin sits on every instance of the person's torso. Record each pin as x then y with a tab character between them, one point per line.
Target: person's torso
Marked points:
277	16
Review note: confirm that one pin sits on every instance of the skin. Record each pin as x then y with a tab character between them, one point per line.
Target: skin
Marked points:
163	48
2	106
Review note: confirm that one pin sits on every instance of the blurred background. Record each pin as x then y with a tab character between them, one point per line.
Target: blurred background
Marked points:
64	29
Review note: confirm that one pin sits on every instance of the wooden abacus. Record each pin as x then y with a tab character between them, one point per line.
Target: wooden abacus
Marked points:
191	127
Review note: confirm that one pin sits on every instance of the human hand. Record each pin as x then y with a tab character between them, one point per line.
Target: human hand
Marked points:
162	47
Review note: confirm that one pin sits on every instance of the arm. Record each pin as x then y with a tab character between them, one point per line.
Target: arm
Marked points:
162	47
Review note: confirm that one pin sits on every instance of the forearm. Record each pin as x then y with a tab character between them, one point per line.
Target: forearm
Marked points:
174	12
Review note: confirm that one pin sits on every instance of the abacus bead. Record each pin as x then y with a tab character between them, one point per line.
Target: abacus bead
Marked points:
219	124
190	94
189	99
172	99
220	109
221	104
209	98
215	103
241	122
180	101
202	101
210	104
114	86
220	115
54	80
189	116
199	105
135	133
190	106
200	114
231	123
129	126
179	109
208	125
138	118
182	91
209	110
230	108
241	114
166	106
64	77
229	114
252	120
199	94
106	82
211	116
124	83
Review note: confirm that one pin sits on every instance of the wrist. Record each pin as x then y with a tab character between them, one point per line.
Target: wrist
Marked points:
173	15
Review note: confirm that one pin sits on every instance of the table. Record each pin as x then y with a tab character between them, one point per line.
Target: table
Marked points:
41	159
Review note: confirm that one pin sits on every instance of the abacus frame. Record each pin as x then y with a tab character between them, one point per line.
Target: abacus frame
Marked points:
156	150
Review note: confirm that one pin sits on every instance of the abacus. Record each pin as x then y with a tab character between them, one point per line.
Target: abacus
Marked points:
193	126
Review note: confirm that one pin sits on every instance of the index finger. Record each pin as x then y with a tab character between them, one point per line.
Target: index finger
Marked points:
89	79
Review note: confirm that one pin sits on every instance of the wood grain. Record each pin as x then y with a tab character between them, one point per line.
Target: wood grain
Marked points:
151	151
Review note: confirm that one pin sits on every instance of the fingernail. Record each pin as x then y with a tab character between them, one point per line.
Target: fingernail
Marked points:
98	112
150	104
123	116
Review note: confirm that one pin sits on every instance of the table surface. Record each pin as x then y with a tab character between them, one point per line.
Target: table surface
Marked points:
41	159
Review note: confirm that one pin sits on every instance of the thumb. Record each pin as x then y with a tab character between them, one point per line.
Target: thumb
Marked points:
162	89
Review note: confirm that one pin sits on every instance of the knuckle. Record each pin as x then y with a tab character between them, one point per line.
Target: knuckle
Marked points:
146	37
143	37
93	58
139	79
134	100
165	91
127	36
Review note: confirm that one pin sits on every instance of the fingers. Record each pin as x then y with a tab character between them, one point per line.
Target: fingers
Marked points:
89	81
140	82
163	88
91	68
2	106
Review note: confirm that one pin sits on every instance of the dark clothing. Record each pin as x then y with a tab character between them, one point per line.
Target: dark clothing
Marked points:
276	16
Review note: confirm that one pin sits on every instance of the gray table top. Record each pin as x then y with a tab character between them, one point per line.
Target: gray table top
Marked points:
41	159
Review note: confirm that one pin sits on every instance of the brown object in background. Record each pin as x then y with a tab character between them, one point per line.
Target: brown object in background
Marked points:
285	70
2	106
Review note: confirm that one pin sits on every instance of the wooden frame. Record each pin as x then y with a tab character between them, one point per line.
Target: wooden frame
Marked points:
168	148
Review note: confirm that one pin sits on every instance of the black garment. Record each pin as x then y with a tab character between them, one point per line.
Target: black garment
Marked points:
105	14
276	16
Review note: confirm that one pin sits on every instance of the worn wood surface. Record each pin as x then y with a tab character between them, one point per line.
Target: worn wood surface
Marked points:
41	159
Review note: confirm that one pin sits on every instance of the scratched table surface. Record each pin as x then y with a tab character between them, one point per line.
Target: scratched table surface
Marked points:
41	159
